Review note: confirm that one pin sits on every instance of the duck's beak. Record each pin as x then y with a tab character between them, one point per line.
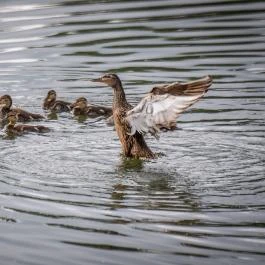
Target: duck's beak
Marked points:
97	80
72	106
2	105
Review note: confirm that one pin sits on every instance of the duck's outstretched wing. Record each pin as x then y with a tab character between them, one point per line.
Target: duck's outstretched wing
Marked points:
161	107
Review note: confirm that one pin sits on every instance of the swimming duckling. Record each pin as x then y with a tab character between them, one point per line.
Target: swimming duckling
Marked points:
50	103
22	115
82	107
159	109
18	129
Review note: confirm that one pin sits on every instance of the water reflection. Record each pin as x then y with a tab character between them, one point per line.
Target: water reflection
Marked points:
81	118
129	164
151	189
52	115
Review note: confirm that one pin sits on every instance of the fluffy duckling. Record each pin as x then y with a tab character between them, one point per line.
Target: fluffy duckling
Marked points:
22	115
50	103
159	109
82	107
19	129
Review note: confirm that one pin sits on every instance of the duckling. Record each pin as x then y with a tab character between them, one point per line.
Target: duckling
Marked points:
159	109
22	115
13	129
50	103
82	107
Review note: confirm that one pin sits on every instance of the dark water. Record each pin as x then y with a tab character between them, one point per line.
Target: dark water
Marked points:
67	197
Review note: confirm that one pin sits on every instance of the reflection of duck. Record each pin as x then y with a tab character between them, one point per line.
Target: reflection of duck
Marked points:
128	165
82	107
152	188
50	103
12	128
22	115
159	109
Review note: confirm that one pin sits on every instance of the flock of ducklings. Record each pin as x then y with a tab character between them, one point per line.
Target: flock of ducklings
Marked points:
9	116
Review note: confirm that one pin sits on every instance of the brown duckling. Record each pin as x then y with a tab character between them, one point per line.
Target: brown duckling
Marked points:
82	107
19	129
22	115
50	103
159	109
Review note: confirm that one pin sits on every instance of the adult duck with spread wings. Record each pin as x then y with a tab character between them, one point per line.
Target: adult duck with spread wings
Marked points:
159	109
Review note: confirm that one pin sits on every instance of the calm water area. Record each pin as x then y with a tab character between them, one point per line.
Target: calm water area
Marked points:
69	198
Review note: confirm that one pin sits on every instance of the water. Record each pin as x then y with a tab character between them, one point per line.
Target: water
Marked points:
67	197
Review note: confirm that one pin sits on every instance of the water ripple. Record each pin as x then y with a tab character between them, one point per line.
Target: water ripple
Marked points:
72	197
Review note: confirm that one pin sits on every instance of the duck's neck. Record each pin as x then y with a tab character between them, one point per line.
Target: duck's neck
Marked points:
50	103
119	99
10	126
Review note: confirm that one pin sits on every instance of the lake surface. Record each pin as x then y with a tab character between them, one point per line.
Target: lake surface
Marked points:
69	198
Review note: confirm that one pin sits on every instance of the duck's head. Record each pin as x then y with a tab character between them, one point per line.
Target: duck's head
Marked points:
51	95
80	103
111	80
12	118
5	102
49	100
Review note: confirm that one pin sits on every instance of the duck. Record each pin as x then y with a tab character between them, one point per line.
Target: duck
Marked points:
160	108
22	115
18	129
50	103
82	107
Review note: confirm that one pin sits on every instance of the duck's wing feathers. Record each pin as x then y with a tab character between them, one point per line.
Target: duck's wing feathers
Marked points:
161	107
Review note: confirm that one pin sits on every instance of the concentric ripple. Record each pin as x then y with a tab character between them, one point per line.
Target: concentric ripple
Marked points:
68	197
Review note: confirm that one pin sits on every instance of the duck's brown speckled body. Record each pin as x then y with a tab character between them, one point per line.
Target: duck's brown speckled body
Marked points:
22	115
50	103
19	129
82	107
